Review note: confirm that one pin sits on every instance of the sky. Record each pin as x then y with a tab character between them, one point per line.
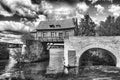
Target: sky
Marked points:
14	13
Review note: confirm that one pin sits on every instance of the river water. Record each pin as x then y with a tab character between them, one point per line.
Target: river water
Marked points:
37	71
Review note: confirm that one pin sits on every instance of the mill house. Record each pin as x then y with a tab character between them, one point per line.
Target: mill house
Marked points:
55	30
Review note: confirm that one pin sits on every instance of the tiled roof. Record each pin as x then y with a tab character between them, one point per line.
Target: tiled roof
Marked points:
56	24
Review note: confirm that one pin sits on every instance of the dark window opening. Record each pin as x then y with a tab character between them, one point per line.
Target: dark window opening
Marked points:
58	25
61	35
52	26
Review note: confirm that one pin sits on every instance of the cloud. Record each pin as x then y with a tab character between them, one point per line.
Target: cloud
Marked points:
22	26
82	7
99	8
94	1
63	11
21	7
97	21
14	26
3	11
114	9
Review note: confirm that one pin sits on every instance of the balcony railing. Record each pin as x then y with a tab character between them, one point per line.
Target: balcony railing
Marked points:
52	39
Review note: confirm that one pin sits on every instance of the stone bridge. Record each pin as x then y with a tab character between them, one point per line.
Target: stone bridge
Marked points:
74	47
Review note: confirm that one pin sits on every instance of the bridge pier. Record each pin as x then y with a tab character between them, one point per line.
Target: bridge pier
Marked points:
55	61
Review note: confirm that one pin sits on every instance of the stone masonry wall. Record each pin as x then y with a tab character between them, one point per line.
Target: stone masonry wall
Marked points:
81	44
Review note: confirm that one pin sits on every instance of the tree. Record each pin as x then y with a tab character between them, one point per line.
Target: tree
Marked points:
27	38
111	27
4	52
34	49
86	27
107	28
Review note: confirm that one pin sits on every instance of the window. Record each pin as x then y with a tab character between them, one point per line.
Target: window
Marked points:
44	34
52	26
53	34
67	33
60	34
58	25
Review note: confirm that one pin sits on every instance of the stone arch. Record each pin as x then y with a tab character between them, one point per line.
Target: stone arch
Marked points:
113	51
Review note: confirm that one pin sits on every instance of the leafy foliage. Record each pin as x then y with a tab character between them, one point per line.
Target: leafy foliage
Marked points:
27	38
34	51
86	27
111	27
4	52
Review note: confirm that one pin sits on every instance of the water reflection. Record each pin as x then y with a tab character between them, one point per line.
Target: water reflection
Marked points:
22	70
97	72
37	71
10	65
32	70
3	64
32	67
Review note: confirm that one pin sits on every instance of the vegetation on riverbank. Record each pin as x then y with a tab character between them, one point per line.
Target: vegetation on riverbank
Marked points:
4	52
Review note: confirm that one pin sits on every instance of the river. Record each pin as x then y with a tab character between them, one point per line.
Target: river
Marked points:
37	71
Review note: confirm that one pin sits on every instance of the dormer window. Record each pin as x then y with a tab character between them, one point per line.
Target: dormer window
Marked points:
58	25
52	26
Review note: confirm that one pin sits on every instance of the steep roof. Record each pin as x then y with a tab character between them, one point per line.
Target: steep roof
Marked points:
56	24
